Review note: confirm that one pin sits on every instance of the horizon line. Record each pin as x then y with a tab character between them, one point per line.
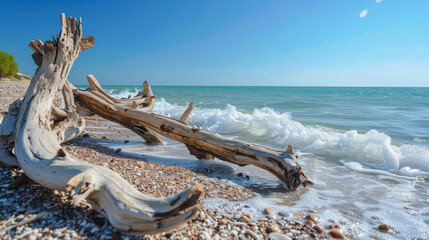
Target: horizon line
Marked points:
257	86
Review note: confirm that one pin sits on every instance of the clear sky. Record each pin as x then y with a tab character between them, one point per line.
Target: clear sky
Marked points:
281	43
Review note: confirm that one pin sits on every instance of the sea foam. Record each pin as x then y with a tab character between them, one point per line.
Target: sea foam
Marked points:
122	93
370	151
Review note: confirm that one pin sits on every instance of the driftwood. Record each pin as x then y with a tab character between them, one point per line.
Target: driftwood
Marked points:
203	144
31	133
145	99
7	135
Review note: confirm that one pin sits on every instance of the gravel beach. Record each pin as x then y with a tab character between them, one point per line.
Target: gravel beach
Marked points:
29	211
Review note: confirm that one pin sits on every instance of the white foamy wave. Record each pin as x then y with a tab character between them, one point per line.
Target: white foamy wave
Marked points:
418	139
370	150
123	93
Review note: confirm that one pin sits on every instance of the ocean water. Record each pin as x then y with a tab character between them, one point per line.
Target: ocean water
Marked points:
366	149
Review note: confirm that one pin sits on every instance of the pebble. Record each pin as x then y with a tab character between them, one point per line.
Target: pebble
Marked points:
207	221
285	214
282	222
334	226
244	218
73	234
286	227
384	227
269	211
309	223
66	237
56	234
252	224
223	234
271	229
278	236
32	236
233	232
298	215
201	216
205	235
313	218
239	223
336	234
251	234
318	229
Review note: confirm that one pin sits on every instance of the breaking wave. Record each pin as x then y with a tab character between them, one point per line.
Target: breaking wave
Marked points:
372	151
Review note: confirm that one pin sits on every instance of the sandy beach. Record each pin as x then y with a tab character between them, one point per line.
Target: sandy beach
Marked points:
59	220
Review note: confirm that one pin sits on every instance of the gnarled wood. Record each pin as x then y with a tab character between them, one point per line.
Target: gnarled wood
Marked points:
38	152
201	143
139	99
145	99
7	135
186	113
147	90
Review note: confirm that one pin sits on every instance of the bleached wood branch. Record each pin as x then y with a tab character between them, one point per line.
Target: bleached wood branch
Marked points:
186	113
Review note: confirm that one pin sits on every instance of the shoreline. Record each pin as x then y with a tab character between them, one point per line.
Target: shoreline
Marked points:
66	222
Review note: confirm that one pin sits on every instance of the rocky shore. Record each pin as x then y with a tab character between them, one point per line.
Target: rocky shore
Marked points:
29	211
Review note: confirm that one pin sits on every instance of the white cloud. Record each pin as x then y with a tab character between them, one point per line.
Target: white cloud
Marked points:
378	1
363	13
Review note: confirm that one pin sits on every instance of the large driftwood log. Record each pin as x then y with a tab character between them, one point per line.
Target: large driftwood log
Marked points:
201	143
40	127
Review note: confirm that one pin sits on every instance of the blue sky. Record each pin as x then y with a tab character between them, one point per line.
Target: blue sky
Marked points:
280	43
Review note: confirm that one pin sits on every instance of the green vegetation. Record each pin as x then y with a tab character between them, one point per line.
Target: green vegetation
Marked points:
8	66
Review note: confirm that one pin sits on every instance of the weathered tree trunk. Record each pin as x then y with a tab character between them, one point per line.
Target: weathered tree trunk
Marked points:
201	143
40	127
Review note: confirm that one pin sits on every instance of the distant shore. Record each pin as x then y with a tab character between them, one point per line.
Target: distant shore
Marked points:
19	78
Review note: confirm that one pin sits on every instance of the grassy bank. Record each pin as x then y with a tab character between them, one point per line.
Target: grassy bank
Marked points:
19	78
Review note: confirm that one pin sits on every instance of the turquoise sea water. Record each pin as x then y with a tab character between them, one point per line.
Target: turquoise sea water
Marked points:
367	149
401	113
